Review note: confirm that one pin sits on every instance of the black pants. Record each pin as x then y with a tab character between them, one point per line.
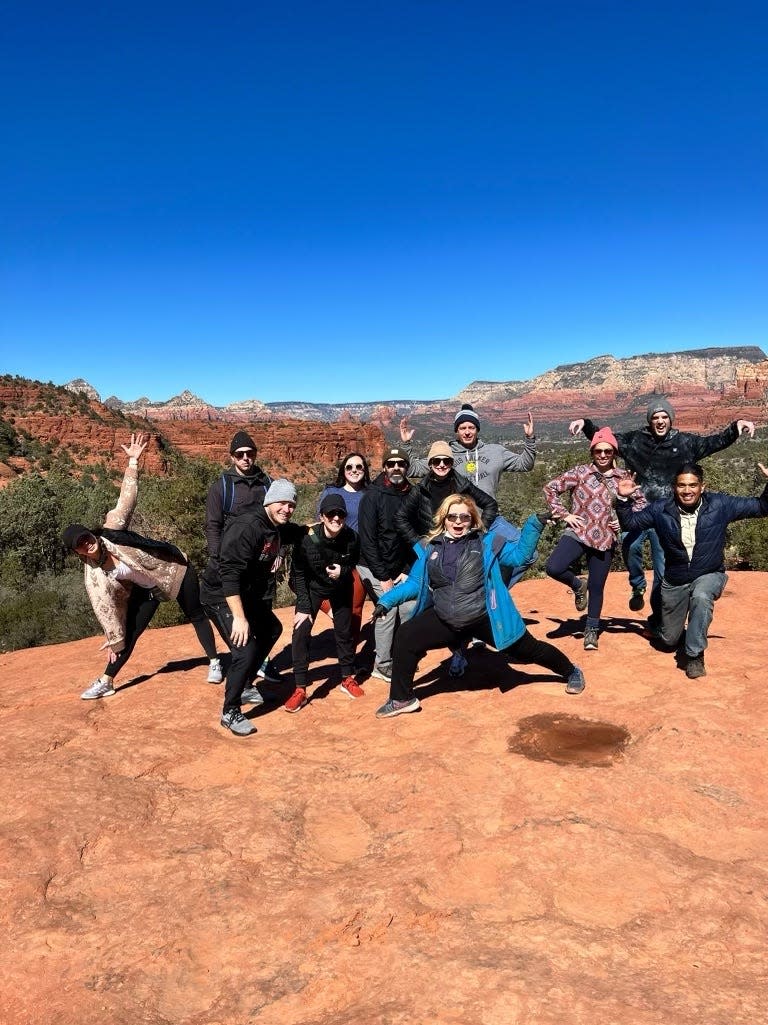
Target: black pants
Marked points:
426	632
142	606
265	628
567	551
341	606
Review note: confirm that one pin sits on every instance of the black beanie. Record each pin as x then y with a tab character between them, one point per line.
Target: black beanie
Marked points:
466	415
72	535
241	440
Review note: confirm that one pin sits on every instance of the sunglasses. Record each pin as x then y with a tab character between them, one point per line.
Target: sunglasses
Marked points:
335	515
441	461
603	451
354	466
459	518
245	453
392	463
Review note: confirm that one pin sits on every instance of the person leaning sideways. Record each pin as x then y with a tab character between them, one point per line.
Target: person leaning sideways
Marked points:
691	526
460	593
250	545
352	480
322	571
385	555
592	527
654	454
127	576
240	488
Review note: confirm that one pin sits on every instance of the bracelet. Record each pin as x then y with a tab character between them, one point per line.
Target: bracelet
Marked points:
133	462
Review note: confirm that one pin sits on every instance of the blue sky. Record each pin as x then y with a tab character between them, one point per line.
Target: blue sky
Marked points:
340	202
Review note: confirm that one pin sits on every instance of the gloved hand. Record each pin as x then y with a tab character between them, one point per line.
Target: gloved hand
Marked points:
379	612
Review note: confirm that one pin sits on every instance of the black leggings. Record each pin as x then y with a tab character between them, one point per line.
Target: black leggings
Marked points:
427	631
567	551
142	605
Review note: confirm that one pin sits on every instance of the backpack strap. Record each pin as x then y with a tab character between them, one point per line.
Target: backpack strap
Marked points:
228	498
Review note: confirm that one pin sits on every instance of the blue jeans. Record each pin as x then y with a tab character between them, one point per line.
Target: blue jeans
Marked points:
694	601
632	551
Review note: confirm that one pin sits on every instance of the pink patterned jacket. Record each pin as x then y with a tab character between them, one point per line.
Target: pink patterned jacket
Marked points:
592	498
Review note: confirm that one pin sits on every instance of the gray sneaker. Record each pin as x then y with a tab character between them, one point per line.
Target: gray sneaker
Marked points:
393	707
215	671
581	597
590	639
576	682
236	723
381	674
98	689
252	696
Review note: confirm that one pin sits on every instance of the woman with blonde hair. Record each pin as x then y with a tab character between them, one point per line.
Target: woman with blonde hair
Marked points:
460	593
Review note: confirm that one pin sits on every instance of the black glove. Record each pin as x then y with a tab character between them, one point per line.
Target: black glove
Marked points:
545	517
379	612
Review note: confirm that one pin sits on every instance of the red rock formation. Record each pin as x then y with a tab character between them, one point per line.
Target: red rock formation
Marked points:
502	857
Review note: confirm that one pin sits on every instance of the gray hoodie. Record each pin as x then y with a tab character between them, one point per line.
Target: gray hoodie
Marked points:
483	464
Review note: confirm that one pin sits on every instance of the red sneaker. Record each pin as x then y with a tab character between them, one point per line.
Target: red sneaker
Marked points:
296	701
352	688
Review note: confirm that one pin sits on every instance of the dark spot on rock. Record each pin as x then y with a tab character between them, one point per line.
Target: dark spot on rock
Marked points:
568	740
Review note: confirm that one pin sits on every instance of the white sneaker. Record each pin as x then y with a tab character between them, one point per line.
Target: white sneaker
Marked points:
268	672
215	671
98	689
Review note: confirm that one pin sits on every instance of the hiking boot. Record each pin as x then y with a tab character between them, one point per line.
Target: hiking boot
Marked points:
268	672
381	674
694	667
581	596
234	721
458	665
252	696
590	639
637	599
98	689
296	701
393	707
352	688
215	671
576	682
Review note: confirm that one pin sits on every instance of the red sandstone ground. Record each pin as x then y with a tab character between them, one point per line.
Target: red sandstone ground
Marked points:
335	869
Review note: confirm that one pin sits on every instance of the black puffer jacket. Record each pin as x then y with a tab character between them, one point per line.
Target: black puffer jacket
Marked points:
383	549
458	594
249	546
414	516
310	560
716	511
655	461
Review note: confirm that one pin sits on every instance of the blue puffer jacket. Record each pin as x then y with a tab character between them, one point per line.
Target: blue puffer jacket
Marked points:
716	512
506	622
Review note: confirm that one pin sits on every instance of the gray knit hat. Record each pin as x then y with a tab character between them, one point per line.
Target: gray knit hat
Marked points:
660	405
280	490
466	415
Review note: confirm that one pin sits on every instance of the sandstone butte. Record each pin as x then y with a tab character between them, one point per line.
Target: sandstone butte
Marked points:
508	855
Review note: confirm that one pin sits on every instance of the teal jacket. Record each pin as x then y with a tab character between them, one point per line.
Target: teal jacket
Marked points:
506	623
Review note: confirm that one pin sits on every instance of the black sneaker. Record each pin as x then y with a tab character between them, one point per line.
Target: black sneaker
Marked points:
590	639
637	599
695	667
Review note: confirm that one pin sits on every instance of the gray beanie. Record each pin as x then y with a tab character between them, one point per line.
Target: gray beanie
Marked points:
660	405
280	490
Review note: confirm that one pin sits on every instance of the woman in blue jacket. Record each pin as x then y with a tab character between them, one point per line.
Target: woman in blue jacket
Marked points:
460	594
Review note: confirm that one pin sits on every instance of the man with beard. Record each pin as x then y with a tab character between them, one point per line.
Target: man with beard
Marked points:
385	554
655	454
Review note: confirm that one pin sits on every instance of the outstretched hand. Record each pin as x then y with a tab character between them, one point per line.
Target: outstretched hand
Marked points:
528	425
745	427
406	432
576	426
627	486
138	443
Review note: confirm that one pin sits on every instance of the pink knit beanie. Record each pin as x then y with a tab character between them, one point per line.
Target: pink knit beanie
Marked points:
606	436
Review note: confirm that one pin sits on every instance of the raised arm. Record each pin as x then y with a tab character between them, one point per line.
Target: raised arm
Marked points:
120	517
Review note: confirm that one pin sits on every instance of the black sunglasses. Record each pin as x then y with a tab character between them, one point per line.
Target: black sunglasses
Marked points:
395	462
354	466
441	461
